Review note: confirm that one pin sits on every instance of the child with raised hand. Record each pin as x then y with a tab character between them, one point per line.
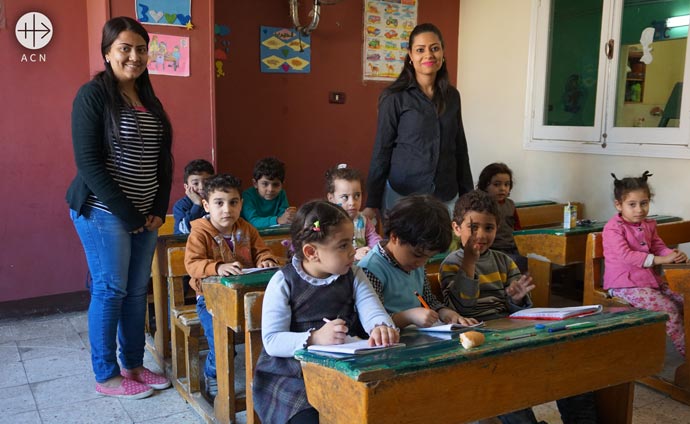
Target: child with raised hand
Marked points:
317	298
486	284
417	228
221	243
189	208
497	180
344	188
266	204
478	281
632	248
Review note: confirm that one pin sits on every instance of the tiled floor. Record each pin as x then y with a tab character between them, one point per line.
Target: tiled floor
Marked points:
45	377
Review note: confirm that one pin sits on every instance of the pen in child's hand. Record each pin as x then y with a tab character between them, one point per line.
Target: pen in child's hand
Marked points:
421	300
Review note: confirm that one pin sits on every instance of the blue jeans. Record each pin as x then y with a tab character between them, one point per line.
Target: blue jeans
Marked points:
206	320
120	267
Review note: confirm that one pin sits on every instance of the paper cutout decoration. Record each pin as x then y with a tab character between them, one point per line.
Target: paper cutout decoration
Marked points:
168	55
387	27
221	48
165	12
284	50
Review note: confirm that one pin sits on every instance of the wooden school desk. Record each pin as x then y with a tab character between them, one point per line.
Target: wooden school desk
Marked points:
225	298
678	277
556	245
442	382
159	273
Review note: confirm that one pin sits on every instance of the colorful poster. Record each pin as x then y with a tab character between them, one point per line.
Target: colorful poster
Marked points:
285	50
168	55
221	48
164	12
387	27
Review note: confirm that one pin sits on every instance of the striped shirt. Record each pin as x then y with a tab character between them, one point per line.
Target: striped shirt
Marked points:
133	161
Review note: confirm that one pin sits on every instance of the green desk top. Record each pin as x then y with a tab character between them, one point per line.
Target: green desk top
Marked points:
423	351
530	203
256	279
279	230
438	258
585	229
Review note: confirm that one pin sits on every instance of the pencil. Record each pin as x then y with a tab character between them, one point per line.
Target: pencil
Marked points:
421	300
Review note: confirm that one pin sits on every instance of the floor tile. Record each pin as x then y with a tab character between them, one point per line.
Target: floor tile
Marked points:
51	345
102	410
65	390
31	417
187	417
160	405
644	396
28	329
79	321
12	374
15	400
58	365
9	353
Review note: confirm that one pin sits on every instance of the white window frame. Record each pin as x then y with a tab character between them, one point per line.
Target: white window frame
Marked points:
602	137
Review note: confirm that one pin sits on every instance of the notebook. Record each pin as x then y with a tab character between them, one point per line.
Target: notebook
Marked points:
557	313
358	347
441	327
253	270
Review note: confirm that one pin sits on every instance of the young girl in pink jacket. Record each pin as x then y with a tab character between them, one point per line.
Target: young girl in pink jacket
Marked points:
632	248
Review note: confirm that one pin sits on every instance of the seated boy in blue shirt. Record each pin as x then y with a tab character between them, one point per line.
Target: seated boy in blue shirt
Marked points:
266	203
485	284
189	208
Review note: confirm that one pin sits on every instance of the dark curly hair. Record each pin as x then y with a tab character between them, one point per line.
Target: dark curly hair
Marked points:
304	228
622	187
421	221
341	172
271	168
475	201
198	167
221	182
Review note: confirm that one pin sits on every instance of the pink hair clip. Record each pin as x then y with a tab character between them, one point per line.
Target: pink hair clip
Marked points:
316	227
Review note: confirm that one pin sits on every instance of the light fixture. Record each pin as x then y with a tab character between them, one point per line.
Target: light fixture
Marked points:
678	21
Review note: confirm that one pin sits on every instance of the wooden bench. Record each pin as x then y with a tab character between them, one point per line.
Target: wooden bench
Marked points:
673	233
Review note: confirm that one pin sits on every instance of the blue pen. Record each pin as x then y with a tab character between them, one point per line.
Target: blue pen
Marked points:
572	326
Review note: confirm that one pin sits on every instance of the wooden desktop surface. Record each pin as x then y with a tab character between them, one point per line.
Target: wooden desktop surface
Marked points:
442	382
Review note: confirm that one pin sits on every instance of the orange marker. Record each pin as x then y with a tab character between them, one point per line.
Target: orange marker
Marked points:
422	301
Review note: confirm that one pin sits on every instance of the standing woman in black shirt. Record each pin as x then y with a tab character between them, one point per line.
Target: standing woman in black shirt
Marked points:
122	141
420	145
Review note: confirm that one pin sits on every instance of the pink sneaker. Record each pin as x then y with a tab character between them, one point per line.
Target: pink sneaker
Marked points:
128	389
151	379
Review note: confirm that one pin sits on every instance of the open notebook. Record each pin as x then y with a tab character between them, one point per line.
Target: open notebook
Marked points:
557	313
354	346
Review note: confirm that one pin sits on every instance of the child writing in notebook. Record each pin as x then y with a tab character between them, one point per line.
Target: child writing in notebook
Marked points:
417	228
221	243
317	298
344	188
497	180
486	284
631	250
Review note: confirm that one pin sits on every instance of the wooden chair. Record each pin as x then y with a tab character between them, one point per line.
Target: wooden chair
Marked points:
673	233
252	346
435	283
186	328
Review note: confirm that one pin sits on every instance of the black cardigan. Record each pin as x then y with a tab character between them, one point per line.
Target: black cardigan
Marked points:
90	143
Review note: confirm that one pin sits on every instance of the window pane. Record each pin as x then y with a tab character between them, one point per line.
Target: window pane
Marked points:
574	48
651	63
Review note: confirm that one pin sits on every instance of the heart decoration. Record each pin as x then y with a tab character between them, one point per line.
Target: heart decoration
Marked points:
183	18
285	67
170	17
156	15
285	51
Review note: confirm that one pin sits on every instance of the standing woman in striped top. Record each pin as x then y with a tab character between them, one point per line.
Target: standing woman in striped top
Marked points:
122	148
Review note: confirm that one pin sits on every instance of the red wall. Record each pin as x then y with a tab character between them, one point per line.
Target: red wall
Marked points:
41	252
288	115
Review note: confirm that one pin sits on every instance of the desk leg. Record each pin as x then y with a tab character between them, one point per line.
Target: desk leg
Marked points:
541	275
160	307
614	404
682	377
224	405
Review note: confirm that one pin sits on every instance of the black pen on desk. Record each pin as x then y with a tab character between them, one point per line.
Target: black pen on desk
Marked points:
521	336
575	326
